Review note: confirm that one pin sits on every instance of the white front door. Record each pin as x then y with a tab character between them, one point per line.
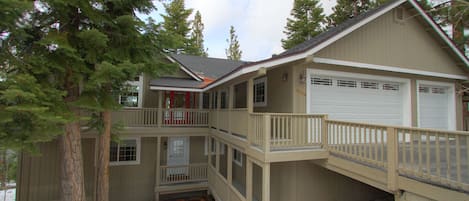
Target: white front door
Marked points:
178	154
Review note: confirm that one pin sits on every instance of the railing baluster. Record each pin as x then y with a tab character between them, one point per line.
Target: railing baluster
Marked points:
448	163
438	162
458	159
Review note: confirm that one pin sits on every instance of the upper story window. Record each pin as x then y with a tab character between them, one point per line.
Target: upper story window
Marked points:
126	152
131	96
223	100
206	100
214	100
239	97
260	92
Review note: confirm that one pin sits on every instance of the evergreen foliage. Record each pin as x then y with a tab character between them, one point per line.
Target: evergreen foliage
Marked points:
197	37
176	27
233	52
346	9
306	22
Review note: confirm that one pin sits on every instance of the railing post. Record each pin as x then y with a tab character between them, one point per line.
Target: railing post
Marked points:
248	179
159	117
250	130
267	133
324	132
392	154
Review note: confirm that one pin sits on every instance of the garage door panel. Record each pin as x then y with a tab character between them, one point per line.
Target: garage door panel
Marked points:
433	106
383	103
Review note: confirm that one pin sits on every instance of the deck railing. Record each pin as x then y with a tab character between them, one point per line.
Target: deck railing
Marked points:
275	131
183	173
155	117
362	142
438	156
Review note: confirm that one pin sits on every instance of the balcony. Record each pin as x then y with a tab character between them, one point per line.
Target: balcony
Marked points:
158	117
191	173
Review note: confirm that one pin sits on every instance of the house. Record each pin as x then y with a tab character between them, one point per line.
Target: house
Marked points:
368	110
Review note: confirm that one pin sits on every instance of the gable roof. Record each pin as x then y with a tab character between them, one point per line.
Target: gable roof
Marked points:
213	68
308	48
203	70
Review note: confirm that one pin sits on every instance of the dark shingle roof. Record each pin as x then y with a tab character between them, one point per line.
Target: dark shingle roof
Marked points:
208	67
176	82
333	31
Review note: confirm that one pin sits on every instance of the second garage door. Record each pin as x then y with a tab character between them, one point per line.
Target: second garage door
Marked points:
357	100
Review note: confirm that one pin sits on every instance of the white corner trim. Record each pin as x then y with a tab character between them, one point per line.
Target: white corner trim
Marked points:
386	68
451	101
354	27
175	89
438	30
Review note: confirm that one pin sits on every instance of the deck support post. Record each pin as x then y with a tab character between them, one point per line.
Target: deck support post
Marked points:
249	105
157	173
230	97
229	160
266	182
248	179
217	156
392	154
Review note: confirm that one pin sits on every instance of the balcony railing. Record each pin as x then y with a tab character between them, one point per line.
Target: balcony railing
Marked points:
183	173
155	117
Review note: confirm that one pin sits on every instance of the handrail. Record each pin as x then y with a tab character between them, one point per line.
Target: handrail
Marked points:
175	174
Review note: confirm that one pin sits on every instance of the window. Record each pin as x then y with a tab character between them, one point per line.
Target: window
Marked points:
391	87
131	95
369	85
347	83
126	152
213	147
223	100
238	157
206	100
321	81
260	92
239	97
214	100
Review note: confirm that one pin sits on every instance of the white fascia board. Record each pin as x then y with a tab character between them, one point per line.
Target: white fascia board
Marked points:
175	89
267	64
354	27
440	32
387	68
183	68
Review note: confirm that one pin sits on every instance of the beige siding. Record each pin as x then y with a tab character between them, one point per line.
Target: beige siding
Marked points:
403	44
279	92
135	182
298	181
39	179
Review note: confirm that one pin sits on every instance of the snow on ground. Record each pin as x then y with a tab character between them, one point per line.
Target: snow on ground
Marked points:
10	195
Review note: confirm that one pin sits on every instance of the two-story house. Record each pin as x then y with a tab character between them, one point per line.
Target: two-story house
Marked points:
368	110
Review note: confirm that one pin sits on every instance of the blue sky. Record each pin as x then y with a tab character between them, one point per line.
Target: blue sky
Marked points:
259	24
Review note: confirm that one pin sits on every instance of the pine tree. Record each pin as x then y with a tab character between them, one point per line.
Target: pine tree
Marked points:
306	22
176	26
68	57
197	37
346	9
233	52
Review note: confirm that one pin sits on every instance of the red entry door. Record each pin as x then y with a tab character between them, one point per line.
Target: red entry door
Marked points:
176	102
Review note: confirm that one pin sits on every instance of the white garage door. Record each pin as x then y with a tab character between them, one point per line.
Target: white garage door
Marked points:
357	100
433	107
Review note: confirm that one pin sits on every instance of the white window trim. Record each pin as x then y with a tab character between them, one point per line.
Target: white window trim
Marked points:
257	81
406	102
139	84
240	161
137	161
451	101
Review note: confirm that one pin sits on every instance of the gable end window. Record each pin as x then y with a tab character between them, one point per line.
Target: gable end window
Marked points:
126	152
131	95
260	92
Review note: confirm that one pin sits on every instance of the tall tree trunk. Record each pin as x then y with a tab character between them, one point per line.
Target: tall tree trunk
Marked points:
102	189
72	175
